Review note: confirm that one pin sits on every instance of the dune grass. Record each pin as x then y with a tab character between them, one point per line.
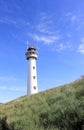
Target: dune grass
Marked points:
60	108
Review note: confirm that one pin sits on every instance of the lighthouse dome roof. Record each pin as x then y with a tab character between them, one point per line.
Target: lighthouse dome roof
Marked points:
31	48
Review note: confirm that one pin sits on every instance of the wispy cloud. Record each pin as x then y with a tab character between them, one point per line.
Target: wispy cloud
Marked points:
81	48
82	40
7	21
19	23
71	16
7	78
9	7
16	89
62	47
44	24
10	79
43	30
68	14
47	40
75	18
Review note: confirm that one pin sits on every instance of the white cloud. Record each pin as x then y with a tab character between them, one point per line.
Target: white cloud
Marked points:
16	89
9	7
10	79
68	34
82	40
81	48
61	47
18	23
68	14
73	18
43	16
45	39
43	28
7	21
7	78
44	24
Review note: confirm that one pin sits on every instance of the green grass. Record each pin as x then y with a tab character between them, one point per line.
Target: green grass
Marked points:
60	108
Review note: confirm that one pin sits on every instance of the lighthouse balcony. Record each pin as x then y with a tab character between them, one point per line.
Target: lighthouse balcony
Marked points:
28	55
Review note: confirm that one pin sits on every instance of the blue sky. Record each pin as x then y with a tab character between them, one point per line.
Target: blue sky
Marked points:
56	28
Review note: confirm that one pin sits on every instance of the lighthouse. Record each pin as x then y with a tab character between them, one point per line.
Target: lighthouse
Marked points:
31	56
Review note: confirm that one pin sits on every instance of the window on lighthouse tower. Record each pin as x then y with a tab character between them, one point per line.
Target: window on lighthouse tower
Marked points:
33	67
34	77
34	87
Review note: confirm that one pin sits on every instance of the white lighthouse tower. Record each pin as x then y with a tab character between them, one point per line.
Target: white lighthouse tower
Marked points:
31	56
